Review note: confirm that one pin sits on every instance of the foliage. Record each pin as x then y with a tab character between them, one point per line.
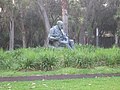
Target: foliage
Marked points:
84	15
50	59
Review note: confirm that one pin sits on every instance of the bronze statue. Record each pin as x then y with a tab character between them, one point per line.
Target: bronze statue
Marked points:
58	38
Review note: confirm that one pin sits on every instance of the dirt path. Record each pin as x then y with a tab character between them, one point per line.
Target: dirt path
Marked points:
56	77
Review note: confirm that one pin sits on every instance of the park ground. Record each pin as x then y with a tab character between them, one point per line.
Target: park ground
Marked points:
109	83
97	83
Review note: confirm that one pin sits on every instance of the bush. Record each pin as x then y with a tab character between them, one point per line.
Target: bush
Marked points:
5	62
49	59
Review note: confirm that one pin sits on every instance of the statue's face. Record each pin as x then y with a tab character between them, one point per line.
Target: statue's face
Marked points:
60	24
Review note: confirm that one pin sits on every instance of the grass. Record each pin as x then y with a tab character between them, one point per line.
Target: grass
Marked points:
112	83
47	59
69	70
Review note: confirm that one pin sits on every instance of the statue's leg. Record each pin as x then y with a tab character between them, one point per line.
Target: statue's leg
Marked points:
68	45
53	43
71	43
56	43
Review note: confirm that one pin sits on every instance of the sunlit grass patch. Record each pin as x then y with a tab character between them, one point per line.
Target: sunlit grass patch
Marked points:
68	70
108	83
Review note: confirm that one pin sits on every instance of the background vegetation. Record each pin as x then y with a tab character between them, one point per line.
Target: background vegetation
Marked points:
22	22
51	59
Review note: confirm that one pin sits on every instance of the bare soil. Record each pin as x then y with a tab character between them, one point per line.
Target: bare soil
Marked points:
56	77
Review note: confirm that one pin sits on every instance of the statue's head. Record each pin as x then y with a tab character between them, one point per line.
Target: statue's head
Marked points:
60	24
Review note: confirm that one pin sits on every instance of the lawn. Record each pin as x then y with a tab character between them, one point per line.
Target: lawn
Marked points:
95	70
108	83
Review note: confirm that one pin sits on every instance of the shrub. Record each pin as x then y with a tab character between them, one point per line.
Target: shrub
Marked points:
50	59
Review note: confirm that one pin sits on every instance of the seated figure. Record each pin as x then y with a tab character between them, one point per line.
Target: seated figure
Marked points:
58	38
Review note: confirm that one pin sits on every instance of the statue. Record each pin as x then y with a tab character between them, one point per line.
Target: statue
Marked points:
58	38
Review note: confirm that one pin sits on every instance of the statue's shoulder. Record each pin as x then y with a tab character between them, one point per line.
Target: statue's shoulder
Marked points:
54	28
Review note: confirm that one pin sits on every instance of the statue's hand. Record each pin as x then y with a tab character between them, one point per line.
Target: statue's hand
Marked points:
54	38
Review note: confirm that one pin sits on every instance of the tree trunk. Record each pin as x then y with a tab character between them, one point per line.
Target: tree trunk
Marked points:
65	15
116	39
86	22
24	38
82	35
11	34
45	20
23	30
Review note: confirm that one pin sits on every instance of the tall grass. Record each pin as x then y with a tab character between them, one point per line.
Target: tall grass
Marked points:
49	59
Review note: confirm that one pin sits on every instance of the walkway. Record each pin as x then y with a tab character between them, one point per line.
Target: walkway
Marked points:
56	77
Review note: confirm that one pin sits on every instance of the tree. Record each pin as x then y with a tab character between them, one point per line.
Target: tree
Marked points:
65	15
32	21
99	14
22	7
117	18
76	13
45	20
54	10
11	33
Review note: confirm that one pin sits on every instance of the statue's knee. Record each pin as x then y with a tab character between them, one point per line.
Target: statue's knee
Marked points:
71	41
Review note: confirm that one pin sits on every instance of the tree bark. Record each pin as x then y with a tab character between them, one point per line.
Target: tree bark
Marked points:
11	33
23	29
45	20
82	34
65	15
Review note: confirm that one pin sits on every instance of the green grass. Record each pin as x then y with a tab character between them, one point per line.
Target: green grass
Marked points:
47	59
112	83
62	71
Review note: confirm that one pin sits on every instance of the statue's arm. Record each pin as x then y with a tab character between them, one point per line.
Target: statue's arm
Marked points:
53	34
